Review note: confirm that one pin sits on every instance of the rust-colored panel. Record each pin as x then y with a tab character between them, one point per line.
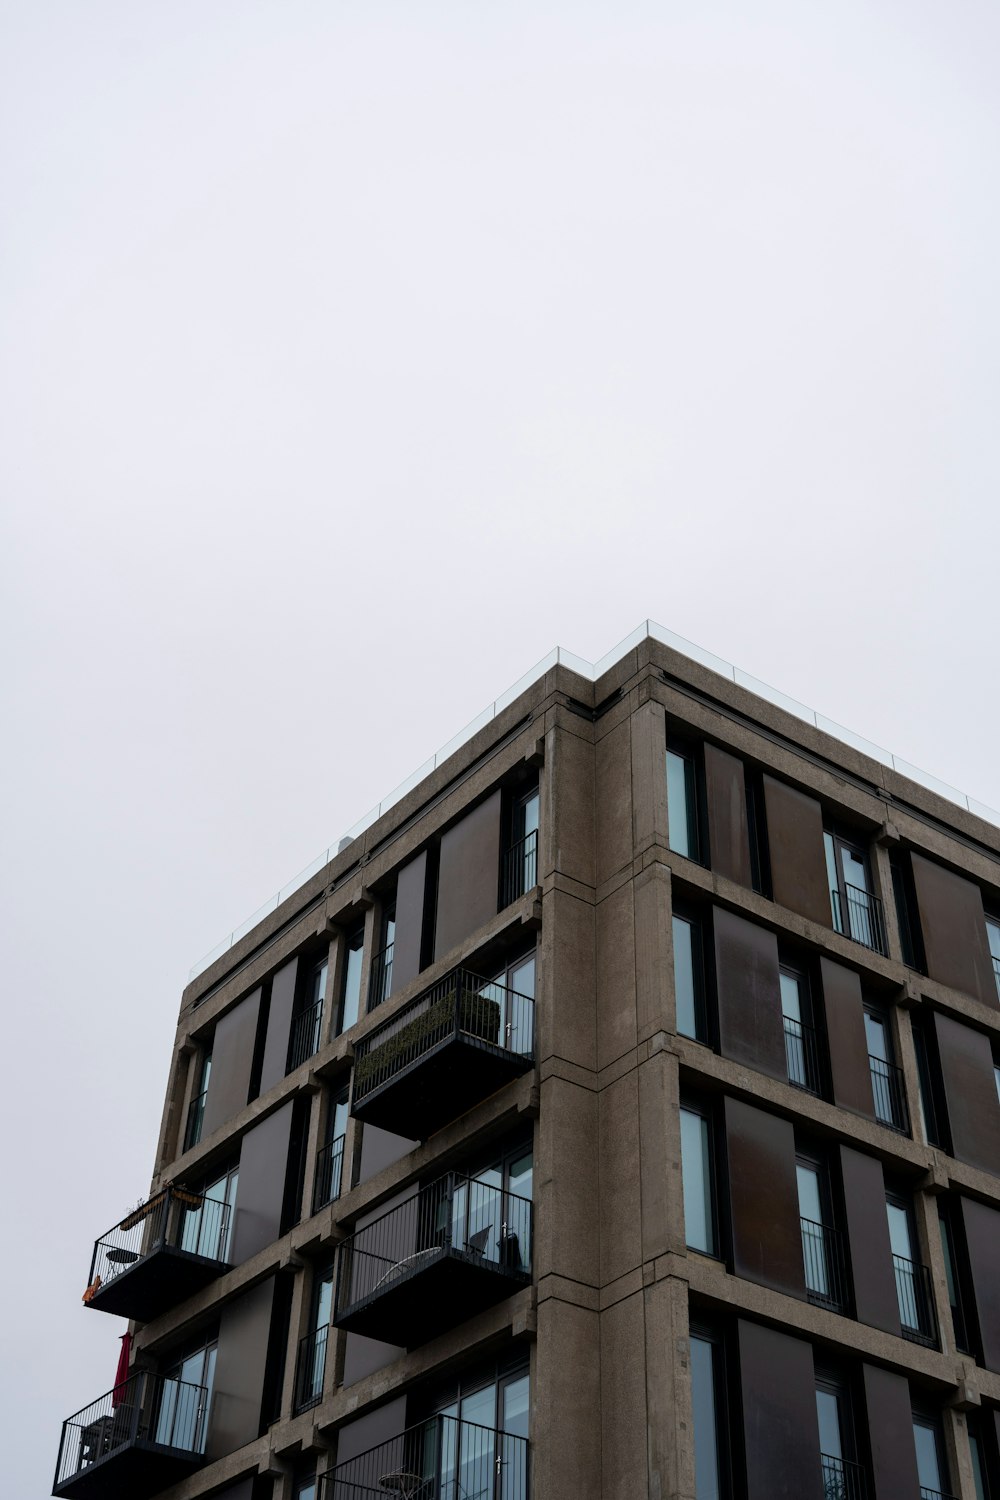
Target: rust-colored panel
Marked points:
850	1070
279	1026
764	1199
232	1063
970	1093
374	1427
890	1430
778	1383
867	1235
408	940
469	875
260	1191
244	1330
953	927
795	841
749	994
728	833
982	1235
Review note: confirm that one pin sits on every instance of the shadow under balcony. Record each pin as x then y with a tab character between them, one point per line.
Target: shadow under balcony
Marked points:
454	1248
451	1047
441	1459
137	1440
161	1253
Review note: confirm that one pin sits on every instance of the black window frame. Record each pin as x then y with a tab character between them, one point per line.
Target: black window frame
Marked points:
706	1111
728	1449
696	813
698	919
353	942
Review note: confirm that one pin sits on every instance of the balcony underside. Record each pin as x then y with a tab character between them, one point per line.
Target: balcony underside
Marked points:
439	1085
155	1283
428	1292
137	1471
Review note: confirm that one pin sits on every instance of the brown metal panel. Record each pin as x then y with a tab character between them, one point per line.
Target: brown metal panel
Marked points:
368	1431
970	1093
764	1199
469	875
890	1431
279	1026
408	940
232	1063
982	1236
795	841
867	1229
728	832
778	1383
379	1149
244	1330
953	927
749	994
850	1070
261	1188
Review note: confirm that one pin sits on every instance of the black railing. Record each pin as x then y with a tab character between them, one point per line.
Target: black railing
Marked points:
916	1302
195	1120
842	1480
441	1459
996	972
304	1041
310	1368
859	915
460	1004
519	869
801	1055
926	1494
380	978
823	1261
144	1408
329	1173
461	1215
174	1218
889	1094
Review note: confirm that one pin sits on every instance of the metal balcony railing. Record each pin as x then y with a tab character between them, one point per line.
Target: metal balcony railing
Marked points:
441	1459
858	914
996	972
801	1055
145	1408
380	978
843	1480
173	1219
329	1173
195	1120
519	869
916	1302
310	1368
824	1265
304	1042
889	1095
926	1494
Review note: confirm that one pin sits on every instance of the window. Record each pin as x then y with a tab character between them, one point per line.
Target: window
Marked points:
196	1109
993	934
182	1418
311	1364
494	1199
821	1255
520	863
305	1487
857	911
843	1478
351	994
888	1092
208	1230
513	989
696	1170
380	978
931	1469
932	1110
682	802
953	1250
330	1158
907	917
689	978
983	1451
801	1057
307	1022
912	1279
480	1414
706	1385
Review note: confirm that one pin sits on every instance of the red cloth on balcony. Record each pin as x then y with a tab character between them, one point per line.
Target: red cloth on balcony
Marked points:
121	1375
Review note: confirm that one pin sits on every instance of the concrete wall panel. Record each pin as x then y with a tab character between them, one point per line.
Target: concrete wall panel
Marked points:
613	802
616	1021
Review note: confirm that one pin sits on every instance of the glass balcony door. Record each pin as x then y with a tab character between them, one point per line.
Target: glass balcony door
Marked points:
208	1230
182	1419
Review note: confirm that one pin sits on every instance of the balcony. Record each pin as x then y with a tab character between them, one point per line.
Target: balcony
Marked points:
889	1095
916	1302
441	1459
310	1368
858	914
452	1046
329	1173
160	1254
824	1265
801	1055
456	1247
304	1041
137	1440
842	1480
518	869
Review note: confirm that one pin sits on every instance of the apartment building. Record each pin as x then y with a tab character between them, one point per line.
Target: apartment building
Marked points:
616	1115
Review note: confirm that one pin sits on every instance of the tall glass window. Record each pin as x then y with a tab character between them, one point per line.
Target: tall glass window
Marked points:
800	1054
688	979
978	1466
682	804
696	1167
351	998
815	1251
930	1462
704	1384
993	933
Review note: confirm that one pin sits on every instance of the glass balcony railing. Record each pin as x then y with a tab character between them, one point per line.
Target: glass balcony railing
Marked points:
441	1459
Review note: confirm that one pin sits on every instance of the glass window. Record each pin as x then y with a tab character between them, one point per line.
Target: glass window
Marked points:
682	804
696	1167
815	1247
208	1230
951	1278
978	1466
856	910
688	982
707	1479
930	1467
182	1419
800	1054
351	997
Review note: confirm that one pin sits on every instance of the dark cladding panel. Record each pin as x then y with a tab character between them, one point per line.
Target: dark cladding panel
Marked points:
982	1235
244	1331
953	927
379	1149
243	1490
764	1199
890	1429
867	1229
469	875
408	939
850	1069
778	1383
970	1093
232	1063
728	834
279	1026
260	1191
749	994
370	1430
798	862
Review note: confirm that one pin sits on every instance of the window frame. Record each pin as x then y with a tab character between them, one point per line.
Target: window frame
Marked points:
688	754
704	1031
710	1185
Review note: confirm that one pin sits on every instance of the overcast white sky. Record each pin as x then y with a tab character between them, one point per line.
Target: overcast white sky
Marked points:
353	355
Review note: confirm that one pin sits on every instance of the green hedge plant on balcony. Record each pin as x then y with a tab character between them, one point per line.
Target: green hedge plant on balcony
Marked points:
478	1016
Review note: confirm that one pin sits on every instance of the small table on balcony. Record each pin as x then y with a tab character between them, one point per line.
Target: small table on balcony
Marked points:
407	1486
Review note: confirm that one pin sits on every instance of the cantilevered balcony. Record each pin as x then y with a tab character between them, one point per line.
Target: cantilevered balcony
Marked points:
161	1253
441	1459
135	1441
453	1249
449	1048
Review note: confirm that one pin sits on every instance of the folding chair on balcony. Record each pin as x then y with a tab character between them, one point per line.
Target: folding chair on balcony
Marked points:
476	1243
